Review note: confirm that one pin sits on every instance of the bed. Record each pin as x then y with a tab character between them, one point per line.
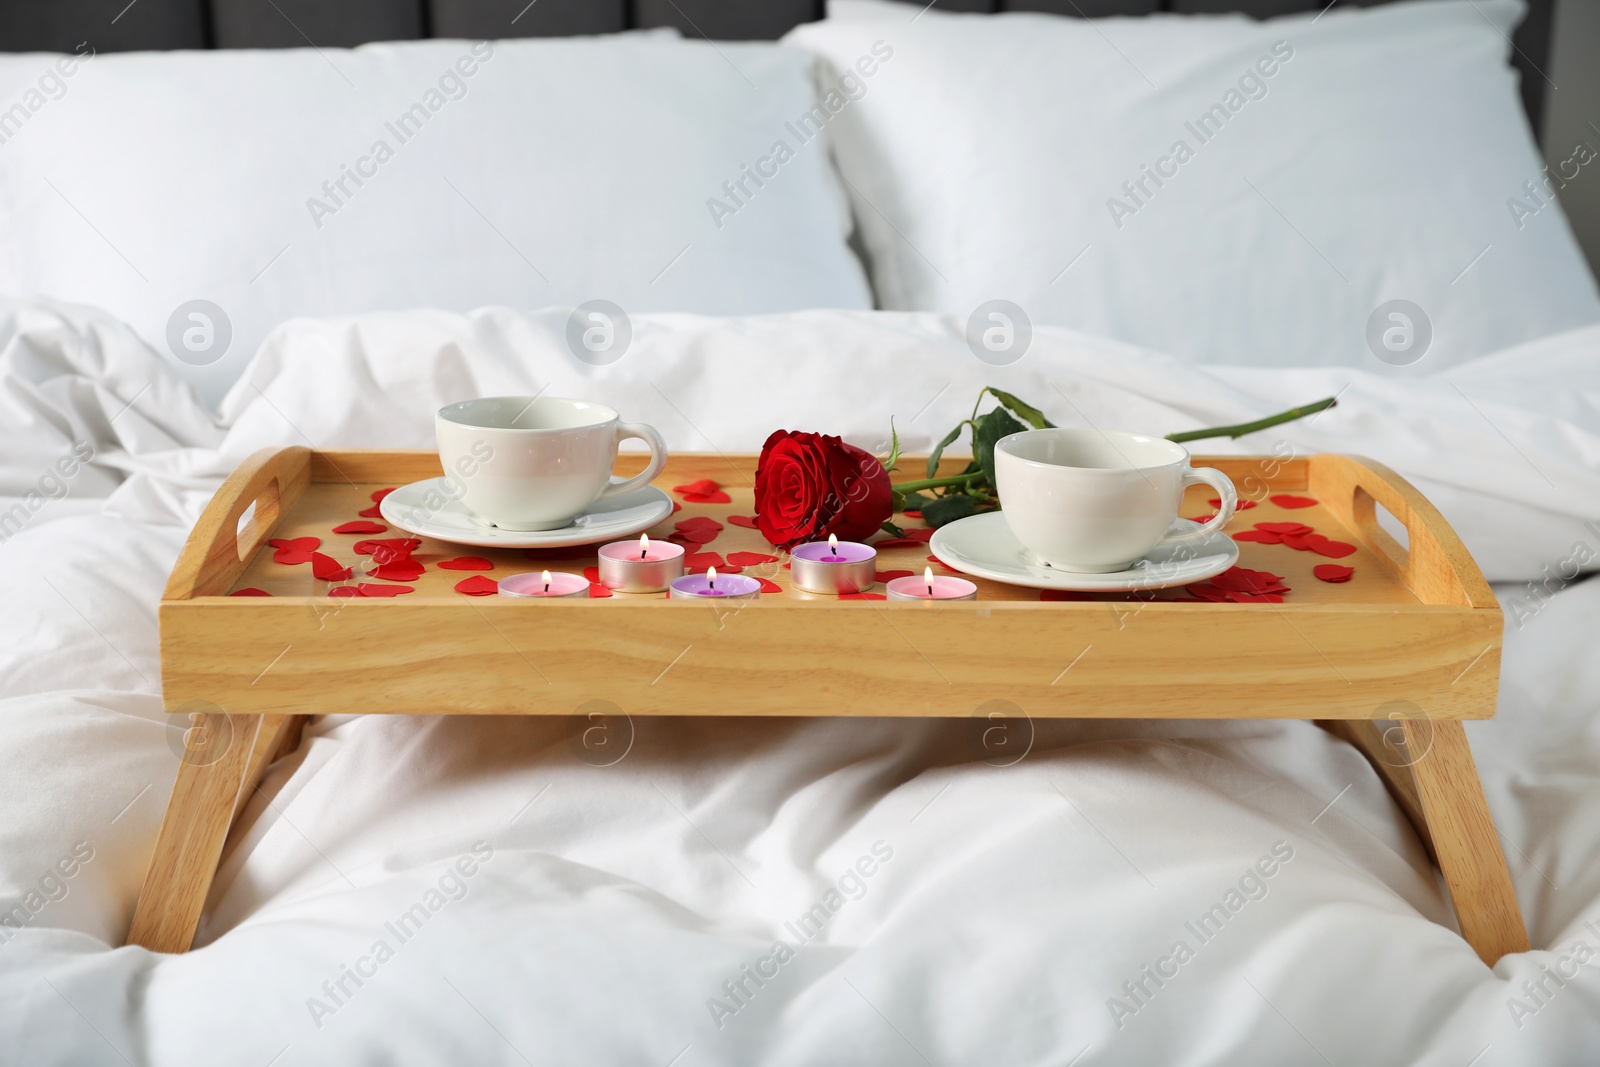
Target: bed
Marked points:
413	889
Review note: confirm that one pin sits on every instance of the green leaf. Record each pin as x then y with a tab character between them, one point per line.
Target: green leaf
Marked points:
1029	414
894	447
989	429
949	439
947	509
891	529
914	502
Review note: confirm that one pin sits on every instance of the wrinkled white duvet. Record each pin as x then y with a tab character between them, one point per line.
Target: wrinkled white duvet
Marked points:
794	891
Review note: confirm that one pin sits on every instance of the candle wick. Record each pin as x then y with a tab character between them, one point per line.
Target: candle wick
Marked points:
546	587
642	552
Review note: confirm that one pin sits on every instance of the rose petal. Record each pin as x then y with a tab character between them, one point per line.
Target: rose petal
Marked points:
1288	500
1328	572
327	568
360	527
749	559
597	591
862	596
1258	536
294	550
466	563
718	497
704	487
400	570
478	585
250	591
747	521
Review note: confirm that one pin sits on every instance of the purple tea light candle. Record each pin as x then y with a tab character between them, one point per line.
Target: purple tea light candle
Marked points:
643	567
833	566
930	588
712	586
544	584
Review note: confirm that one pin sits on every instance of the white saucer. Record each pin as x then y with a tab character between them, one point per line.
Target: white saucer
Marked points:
427	509
984	545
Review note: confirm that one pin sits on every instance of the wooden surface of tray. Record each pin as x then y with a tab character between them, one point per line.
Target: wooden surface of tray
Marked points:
1415	629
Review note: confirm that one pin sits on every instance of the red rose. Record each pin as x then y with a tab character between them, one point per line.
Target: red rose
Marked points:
809	485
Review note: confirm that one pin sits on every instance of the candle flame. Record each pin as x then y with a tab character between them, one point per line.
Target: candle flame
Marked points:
833	544
711	577
644	545
927	576
544	576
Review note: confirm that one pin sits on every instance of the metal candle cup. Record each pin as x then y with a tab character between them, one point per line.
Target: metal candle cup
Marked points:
642	566
714	586
833	566
544	584
928	587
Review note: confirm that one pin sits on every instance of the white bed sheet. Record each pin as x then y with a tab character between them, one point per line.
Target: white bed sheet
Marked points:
618	900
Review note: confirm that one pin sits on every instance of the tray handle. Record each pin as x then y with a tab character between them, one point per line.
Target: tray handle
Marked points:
1435	566
219	547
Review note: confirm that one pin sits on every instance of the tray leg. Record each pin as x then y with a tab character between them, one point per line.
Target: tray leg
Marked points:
210	789
1433	778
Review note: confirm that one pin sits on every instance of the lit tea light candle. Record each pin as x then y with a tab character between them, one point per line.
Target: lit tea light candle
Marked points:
644	566
544	584
711	585
929	587
833	566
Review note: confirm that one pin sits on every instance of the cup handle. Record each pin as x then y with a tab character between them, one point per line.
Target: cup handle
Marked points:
1230	499
658	460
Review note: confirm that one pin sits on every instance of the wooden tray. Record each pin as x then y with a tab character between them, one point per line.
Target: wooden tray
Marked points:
1389	661
1418	626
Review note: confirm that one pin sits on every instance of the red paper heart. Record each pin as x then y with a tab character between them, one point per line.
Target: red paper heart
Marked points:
1333	549
327	568
294	550
597	591
344	591
702	560
889	576
1288	500
388	549
1284	527
750	559
478	585
250	591
360	527
718	497
936	560
384	590
769	587
747	521
1063	594
676	507
697	520
401	570
912	513
1201	518
1258	536
466	563
1328	572
695	535
922	535
592	574
862	596
1243	579
1243	505
704	487
375	511
1254	598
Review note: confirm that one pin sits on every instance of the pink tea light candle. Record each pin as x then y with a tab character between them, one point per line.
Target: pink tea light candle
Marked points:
833	566
711	586
544	584
930	588
644	566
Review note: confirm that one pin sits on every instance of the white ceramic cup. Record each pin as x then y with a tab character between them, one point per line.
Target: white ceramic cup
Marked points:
535	463
1095	501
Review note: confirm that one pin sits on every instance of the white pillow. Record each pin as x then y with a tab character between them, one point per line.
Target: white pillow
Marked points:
534	173
1379	160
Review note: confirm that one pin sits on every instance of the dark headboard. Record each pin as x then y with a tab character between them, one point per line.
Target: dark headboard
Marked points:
120	25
